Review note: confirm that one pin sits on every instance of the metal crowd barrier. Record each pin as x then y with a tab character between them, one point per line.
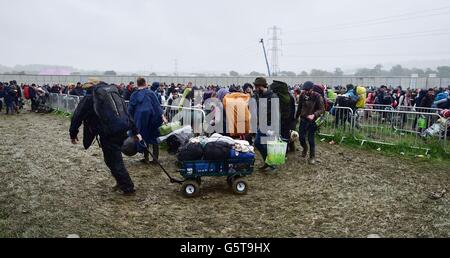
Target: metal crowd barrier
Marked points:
62	102
388	126
397	127
338	121
195	117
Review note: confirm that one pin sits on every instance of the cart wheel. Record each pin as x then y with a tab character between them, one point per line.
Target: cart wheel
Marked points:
240	186
190	189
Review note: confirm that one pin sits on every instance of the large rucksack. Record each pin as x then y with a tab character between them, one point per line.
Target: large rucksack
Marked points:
320	90
111	110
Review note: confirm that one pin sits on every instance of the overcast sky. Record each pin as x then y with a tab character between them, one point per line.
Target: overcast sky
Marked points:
205	35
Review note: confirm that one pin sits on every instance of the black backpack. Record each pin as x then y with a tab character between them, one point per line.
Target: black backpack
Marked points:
344	101
111	110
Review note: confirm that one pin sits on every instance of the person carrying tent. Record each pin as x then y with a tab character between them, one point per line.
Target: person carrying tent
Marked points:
287	111
147	113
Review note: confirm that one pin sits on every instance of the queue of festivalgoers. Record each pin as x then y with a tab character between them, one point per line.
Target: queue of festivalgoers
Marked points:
135	118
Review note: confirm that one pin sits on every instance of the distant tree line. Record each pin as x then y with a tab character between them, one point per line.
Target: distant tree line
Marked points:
397	70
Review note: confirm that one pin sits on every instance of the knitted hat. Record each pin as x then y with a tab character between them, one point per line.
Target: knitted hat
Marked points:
308	85
260	81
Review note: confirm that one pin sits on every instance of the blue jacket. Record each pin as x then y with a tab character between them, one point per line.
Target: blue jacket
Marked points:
351	94
146	111
10	95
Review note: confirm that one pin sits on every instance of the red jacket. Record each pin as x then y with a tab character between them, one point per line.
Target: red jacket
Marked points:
26	92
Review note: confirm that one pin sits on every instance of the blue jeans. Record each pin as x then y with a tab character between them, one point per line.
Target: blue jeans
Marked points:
308	128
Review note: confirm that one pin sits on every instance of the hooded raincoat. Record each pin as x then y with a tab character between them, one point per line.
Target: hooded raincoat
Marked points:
147	113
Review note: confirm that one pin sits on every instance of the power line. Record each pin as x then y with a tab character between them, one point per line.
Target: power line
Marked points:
411	54
439	32
388	19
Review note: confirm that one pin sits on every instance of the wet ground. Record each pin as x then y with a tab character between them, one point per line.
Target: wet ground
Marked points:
50	188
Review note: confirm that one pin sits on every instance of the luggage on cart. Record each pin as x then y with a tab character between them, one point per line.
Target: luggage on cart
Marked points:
217	150
216	156
190	151
176	139
174	142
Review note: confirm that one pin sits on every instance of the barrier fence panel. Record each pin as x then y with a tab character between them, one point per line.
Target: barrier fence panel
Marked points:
384	125
65	103
417	129
339	121
195	117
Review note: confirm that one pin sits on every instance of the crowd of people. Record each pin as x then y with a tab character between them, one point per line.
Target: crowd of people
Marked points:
300	108
13	97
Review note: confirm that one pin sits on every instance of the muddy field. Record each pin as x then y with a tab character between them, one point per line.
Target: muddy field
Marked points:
50	188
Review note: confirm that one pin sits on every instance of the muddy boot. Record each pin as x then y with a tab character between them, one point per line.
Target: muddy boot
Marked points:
129	194
312	161
146	159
